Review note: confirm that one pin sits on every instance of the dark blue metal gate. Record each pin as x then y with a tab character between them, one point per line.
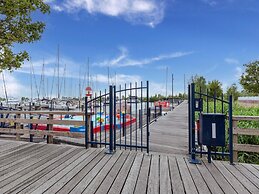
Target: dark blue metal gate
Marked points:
119	118
208	120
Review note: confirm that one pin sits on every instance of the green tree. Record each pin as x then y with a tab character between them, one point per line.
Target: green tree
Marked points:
200	83
17	26
215	88
232	90
250	78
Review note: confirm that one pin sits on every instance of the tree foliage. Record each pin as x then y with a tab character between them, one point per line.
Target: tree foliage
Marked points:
17	26
200	83
215	88
250	78
232	90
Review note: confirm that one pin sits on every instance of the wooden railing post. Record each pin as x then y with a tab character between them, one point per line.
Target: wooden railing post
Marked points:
235	141
50	128
18	126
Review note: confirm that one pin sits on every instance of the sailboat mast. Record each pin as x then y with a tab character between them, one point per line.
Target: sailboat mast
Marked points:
43	76
79	83
6	96
88	72
65	79
166	77
58	74
31	78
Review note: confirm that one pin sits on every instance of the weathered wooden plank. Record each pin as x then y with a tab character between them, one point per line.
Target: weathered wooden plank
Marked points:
107	182
10	147
32	161
256	166
131	180
43	112
246	147
83	183
223	183
67	177
42	170
50	181
42	133
21	153
13	149
231	179
176	179
210	181
245	118
4	144
243	180
20	161
249	175
122	175
142	181
197	178
251	168
153	181
33	169
93	186
165	179
99	160
40	180
43	121
246	131
188	182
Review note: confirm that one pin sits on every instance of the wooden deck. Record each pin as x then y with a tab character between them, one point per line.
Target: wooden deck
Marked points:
43	168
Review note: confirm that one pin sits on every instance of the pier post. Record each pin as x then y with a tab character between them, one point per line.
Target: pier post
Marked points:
18	126
31	128
50	127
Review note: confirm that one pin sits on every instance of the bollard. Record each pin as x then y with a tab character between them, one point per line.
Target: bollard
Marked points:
31	128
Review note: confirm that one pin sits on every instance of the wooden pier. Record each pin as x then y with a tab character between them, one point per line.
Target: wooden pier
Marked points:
45	168
170	133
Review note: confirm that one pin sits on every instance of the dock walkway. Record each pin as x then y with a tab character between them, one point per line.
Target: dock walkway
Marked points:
44	168
170	133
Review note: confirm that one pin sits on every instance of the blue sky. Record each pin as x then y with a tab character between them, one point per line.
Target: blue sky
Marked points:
138	39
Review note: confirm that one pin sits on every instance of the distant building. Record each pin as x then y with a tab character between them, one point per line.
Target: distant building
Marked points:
249	100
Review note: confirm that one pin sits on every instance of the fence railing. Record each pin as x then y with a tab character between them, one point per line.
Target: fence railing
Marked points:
26	122
242	131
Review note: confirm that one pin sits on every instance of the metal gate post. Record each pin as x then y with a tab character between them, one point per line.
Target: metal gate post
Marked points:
86	124
193	159
110	150
189	118
114	116
148	117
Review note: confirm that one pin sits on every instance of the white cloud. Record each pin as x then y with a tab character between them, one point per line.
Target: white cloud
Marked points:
147	12
211	3
232	61
50	67
120	78
13	86
124	61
